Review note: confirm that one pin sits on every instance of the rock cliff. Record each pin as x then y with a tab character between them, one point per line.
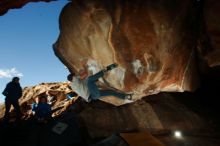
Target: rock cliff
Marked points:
159	45
151	42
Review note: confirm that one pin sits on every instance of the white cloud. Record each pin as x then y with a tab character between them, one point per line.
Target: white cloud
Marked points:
8	73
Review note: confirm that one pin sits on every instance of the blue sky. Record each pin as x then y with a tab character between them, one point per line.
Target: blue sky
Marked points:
26	39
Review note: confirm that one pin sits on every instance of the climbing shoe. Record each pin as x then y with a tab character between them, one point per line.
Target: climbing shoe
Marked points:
129	96
111	66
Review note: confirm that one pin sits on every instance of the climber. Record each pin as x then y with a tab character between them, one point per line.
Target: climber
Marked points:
85	85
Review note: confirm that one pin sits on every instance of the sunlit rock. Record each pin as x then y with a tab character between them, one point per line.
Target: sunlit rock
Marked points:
159	45
152	41
57	90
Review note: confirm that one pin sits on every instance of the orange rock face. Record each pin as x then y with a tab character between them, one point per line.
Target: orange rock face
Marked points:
152	41
157	44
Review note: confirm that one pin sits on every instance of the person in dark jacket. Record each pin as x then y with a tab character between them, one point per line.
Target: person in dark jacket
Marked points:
12	92
42	110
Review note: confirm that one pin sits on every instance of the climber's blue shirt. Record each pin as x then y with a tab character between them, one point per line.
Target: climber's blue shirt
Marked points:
42	110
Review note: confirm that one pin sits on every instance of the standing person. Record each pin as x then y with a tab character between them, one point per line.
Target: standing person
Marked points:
85	86
12	93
